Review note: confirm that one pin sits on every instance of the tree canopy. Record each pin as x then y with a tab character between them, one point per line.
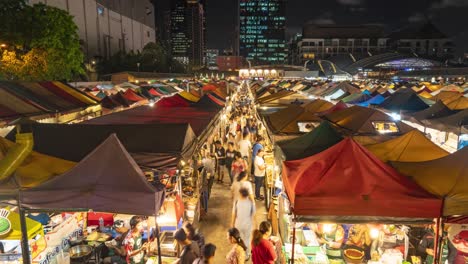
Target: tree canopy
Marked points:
155	57
42	43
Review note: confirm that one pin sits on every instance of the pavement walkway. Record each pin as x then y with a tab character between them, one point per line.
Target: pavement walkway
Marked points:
216	222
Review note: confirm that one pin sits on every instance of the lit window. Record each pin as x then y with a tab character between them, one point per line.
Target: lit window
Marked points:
384	127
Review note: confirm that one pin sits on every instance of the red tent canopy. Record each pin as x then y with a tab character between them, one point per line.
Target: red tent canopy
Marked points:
152	91
346	181
173	101
209	87
130	95
337	107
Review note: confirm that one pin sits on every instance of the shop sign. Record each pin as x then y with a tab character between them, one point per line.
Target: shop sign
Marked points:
5	224
458	234
58	239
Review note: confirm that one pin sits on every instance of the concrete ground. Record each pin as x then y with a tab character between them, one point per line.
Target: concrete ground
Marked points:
215	224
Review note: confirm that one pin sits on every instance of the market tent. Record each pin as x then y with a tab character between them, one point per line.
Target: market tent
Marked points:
337	107
189	97
198	118
456	123
357	98
151	145
106	180
447	96
437	110
208	101
279	120
360	120
446	177
344	87
404	100
120	99
348	182
131	96
173	101
319	139
317	106
412	146
459	104
153	92
35	169
275	96
376	100
34	227
109	103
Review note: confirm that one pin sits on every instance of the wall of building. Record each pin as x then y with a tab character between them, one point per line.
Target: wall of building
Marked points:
229	63
108	26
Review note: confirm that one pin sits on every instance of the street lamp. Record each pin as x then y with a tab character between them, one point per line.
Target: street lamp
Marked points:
305	64
3	45
138	65
250	64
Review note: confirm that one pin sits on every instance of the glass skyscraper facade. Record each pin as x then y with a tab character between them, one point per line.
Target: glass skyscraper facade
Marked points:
262	25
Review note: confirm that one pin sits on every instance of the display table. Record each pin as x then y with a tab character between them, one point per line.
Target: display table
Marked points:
305	254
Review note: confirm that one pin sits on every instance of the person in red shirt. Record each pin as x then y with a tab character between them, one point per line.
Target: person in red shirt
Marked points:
263	251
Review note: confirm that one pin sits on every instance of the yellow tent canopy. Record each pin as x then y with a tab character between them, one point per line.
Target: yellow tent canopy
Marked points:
34	228
447	96
425	94
459	104
188	96
412	146
445	177
36	168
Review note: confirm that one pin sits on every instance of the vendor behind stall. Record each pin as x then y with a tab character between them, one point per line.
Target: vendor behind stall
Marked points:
133	242
332	236
117	244
357	244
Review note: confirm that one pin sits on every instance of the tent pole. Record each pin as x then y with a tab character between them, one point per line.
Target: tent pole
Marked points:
293	242
24	232
436	241
158	241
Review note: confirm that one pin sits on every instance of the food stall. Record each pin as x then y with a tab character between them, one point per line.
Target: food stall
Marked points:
349	215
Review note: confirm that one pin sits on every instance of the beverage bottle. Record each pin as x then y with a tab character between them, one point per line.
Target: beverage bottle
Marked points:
101	224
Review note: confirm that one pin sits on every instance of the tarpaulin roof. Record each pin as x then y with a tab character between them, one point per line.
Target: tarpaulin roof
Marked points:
280	119
412	146
209	101
144	142
153	92
404	99
447	96
437	110
348	180
18	99
120	99
319	139
198	118
376	100
106	180
275	96
459	104
357	98
318	105
346	87
109	103
358	119
446	177
337	107
34	170
130	95
33	227
189	97
456	123
173	101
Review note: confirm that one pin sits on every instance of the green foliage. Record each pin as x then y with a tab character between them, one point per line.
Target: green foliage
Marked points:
45	43
155	57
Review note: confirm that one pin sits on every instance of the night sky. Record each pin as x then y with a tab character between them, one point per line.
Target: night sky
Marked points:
450	16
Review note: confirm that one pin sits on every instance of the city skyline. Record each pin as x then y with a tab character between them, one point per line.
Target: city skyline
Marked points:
445	14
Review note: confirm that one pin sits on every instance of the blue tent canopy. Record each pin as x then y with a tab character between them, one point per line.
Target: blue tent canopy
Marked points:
376	100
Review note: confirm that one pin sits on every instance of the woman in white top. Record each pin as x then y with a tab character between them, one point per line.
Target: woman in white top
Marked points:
243	216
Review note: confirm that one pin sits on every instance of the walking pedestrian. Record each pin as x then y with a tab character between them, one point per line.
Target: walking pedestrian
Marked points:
230	156
239	165
209	167
259	173
255	148
263	251
245	146
242	181
243	216
221	156
237	253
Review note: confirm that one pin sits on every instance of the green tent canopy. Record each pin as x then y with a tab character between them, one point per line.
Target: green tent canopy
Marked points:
319	139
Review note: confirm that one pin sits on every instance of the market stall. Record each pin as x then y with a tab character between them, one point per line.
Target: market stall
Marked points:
346	184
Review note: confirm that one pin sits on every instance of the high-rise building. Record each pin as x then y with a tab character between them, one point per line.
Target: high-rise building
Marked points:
262	25
188	31
163	20
106	27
